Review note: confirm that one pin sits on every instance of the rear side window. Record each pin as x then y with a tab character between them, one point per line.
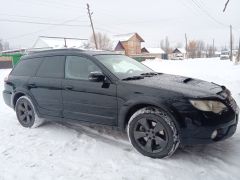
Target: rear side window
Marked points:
52	67
26	67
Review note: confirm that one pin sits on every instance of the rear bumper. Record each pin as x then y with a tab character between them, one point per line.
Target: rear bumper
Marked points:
7	97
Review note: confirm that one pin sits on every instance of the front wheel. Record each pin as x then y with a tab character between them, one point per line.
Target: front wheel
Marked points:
153	133
26	113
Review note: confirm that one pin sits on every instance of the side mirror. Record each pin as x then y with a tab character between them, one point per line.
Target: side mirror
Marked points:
96	76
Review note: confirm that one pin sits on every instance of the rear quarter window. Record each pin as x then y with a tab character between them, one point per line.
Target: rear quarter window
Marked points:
27	67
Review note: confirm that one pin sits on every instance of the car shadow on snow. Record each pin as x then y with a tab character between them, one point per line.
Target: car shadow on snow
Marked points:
219	151
224	151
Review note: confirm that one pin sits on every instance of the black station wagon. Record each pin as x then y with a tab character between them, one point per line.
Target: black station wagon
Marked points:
158	111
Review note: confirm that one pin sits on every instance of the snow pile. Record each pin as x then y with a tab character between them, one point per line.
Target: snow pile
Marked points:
61	152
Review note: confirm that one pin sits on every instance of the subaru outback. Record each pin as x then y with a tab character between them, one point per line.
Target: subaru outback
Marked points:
158	111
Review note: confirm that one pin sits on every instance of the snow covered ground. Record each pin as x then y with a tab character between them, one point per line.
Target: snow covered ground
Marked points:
61	152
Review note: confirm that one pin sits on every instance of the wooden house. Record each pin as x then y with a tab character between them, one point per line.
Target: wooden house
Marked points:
155	52
128	44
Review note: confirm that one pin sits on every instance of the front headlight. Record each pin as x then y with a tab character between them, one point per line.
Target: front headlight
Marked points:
208	105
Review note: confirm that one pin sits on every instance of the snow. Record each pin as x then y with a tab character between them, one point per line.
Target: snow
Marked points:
56	151
125	37
182	50
155	50
55	43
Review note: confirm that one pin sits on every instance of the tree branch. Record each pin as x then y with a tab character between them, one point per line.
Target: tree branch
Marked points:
225	7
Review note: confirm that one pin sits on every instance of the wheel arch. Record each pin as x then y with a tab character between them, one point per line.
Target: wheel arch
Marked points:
128	110
16	97
19	94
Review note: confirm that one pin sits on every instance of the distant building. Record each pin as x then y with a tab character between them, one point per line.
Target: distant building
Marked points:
128	44
155	52
179	54
10	58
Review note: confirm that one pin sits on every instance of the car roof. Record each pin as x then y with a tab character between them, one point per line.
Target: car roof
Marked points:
65	51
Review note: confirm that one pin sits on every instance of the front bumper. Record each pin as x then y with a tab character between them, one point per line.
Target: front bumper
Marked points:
199	126
202	135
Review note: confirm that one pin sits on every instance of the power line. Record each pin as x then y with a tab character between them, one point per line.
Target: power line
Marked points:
46	4
33	17
41	30
196	3
40	23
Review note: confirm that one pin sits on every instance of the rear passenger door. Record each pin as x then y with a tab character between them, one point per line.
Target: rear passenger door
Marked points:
46	85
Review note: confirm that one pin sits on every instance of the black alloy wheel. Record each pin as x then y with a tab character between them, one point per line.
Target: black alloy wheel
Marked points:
25	112
150	135
153	133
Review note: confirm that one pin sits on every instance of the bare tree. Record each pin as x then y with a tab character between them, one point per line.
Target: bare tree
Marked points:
1	45
196	48
192	49
103	41
210	51
200	49
165	45
4	45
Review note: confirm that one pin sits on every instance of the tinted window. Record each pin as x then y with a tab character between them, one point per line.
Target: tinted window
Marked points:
26	67
52	67
79	68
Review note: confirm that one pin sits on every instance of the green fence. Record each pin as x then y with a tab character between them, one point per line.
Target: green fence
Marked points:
14	57
142	58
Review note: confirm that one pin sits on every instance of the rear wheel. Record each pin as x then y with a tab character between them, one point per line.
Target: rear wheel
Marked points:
26	113
153	133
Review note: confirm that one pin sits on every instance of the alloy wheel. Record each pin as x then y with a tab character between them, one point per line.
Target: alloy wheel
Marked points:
150	135
25	112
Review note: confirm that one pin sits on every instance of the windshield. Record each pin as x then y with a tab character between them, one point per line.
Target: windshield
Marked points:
123	66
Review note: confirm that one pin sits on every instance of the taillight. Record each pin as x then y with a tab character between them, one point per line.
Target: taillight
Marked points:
6	79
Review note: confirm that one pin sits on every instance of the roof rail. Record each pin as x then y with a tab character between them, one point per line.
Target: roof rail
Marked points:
42	50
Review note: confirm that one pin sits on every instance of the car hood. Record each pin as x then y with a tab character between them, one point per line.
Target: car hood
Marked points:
188	86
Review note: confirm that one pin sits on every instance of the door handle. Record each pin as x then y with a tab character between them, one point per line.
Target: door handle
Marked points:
32	85
68	87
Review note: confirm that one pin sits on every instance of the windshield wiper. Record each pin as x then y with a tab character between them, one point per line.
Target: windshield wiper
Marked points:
133	78
150	74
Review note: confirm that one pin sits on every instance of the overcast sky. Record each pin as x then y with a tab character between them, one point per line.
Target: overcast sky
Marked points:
152	19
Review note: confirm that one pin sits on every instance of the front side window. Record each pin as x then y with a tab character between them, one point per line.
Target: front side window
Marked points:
79	68
123	66
52	67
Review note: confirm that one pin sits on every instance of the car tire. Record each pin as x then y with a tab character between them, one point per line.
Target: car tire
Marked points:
26	113
153	133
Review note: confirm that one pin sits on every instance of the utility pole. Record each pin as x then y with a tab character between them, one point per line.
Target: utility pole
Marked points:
231	44
238	56
90	17
213	48
186	45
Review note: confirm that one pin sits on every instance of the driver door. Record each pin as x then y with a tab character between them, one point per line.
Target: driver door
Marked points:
85	100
